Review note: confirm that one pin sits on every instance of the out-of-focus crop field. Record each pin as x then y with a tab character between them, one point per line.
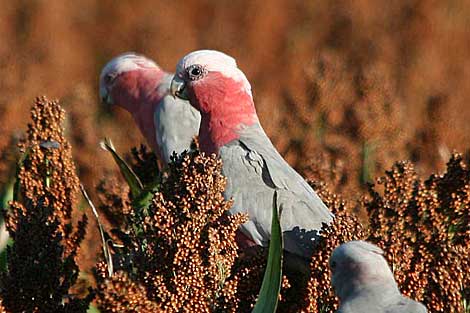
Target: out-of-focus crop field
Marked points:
364	82
343	88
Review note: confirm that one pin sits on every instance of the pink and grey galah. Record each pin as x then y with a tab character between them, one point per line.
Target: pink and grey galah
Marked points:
363	281
255	170
141	87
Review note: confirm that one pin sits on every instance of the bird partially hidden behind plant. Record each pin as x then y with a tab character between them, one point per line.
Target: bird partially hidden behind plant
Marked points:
422	227
140	86
364	282
255	171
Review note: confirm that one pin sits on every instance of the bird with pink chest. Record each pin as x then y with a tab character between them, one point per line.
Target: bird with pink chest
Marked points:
138	85
257	176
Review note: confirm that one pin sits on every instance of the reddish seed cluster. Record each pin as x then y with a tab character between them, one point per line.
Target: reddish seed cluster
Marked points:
184	249
122	294
48	172
42	265
423	227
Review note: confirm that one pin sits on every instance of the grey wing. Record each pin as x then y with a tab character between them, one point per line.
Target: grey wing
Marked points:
302	211
176	123
250	193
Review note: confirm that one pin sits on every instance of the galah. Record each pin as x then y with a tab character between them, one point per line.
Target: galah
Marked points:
141	87
254	169
363	281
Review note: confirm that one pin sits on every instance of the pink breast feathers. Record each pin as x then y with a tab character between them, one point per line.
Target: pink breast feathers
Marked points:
225	105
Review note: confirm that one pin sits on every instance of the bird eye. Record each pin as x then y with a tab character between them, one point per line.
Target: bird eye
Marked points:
196	72
109	78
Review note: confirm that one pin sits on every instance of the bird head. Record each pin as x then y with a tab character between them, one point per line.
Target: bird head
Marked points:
209	78
357	264
127	78
214	85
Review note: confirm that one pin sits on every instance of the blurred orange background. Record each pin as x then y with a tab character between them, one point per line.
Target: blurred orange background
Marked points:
343	88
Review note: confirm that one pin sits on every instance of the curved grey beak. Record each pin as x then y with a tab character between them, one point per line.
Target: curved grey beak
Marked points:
105	97
178	88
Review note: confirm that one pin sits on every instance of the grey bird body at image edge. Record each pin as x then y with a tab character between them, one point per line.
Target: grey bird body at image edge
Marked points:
364	283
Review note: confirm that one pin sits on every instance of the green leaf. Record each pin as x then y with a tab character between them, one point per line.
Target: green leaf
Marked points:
6	196
143	200
92	309
131	178
19	165
368	150
106	251
269	292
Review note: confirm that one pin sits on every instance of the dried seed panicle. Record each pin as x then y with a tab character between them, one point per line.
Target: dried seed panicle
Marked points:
423	227
42	265
184	249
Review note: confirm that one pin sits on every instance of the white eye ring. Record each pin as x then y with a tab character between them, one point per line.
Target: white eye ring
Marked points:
196	72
